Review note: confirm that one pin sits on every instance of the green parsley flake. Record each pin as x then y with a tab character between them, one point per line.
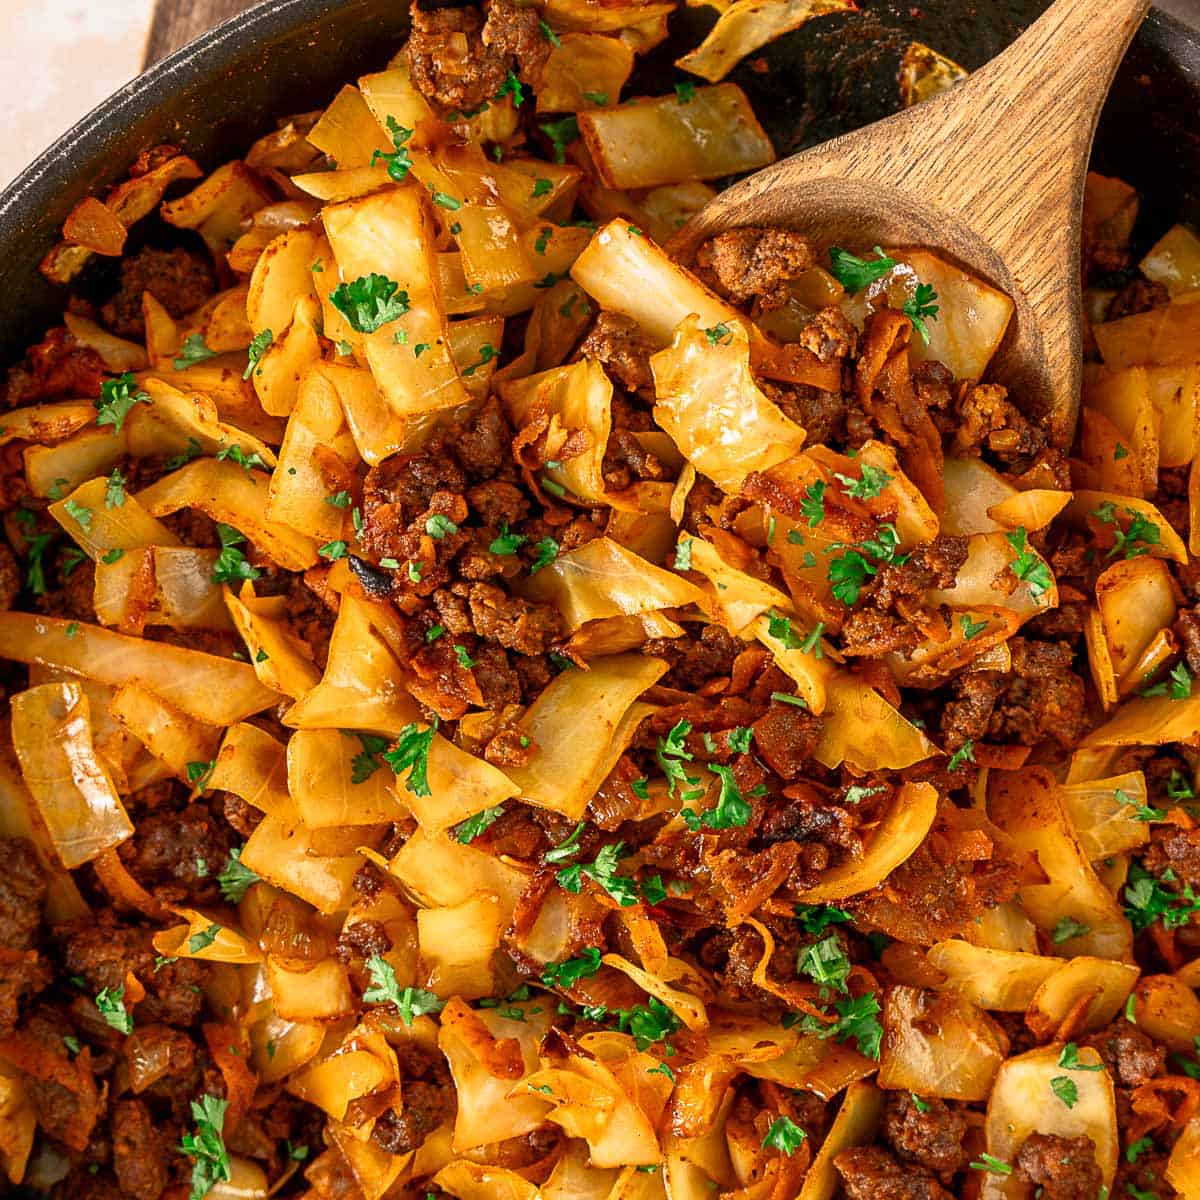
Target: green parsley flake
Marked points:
194	350
231	565
568	973
370	302
206	1147
868	486
920	308
855	273
117	398
236	878
547	552
110	1003
259	345
411	754
825	963
467	831
385	989
785	1136
1028	567
114	490
398	163
1068	928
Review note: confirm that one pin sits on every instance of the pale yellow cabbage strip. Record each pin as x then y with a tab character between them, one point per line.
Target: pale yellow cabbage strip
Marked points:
572	756
233	496
708	402
216	690
604	579
648	143
748	25
52	735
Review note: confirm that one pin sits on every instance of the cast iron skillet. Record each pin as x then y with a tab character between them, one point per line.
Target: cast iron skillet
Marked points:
217	94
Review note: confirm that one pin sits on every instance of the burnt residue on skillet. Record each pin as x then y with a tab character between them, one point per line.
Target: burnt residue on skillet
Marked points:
836	74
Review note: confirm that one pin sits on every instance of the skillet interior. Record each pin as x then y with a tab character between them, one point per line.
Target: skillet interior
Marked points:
214	96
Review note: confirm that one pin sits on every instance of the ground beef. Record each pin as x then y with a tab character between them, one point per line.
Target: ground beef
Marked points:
245	818
695	660
786	737
519	625
626	461
180	280
499	503
22	893
1138	296
932	565
362	939
139	1156
498	683
426	1106
1064	1168
10	578
482	442
1130	1056
1177	850
930	1136
871	1173
178	855
56	366
822	415
22	975
985	417
966	717
400	488
458	60
1044	700
1187	630
102	950
617	343
755	263
829	335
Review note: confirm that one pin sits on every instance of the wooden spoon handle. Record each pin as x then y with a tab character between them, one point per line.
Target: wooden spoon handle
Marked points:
1028	119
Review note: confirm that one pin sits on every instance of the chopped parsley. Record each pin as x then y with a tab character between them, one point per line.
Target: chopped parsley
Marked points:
816	918
685	91
246	461
1069	1059
368	760
1068	928
812	505
855	273
338	500
399	163
385	989
231	565
1147	901
971	629
236	879
568	973
849	573
719	334
117	398
333	550
370	302
114	490
965	753
35	573
506	542
81	514
1180	686
683	554
194	450
1028	567
549	34
1141	812
464	658
547	552
1065	1089
1134	541
486	353
511	87
858	1018
567	849
672	752
259	345
603	871
203	939
468	830
542	187
561	134
731	810
110	1003
784	1135
825	962
194	350
920	308
206	1147
868	486
987	1162
411	754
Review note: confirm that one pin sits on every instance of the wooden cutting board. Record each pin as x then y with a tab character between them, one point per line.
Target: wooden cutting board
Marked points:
176	22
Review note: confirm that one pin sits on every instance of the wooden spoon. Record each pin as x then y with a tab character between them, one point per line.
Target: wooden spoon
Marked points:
990	173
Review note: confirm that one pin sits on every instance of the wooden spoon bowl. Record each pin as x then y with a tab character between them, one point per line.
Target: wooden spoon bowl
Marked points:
989	174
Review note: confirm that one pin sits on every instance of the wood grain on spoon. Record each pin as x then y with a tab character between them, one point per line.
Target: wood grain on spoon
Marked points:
990	173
